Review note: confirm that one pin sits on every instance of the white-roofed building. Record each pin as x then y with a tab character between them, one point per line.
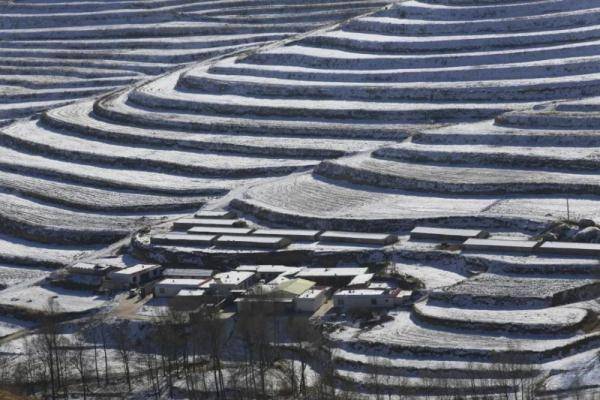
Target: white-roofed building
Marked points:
225	282
352	299
171	287
269	272
136	275
87	274
187	273
191	293
362	280
312	299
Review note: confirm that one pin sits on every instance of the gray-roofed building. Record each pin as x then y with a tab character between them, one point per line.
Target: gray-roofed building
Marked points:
428	233
335	277
498	245
570	248
187	273
380	239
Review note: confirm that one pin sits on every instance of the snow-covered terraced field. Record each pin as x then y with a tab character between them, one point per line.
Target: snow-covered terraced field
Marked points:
462	113
11	275
57	52
520	290
542	320
15	250
34	297
436	70
485	327
434	63
425	354
407	335
79	176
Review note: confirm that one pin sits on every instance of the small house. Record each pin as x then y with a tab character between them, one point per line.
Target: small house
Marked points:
336	277
361	281
225	282
88	274
274	299
171	287
311	300
352	299
190	300
269	272
187	273
135	276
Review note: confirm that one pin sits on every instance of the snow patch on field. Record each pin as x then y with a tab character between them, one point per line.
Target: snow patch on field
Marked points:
35	296
12	275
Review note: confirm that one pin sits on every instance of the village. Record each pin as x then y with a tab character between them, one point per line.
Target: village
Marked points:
285	289
313	291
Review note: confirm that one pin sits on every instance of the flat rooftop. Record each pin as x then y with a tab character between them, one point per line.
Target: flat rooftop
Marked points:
217	230
188	272
181	282
426	232
271	242
501	245
85	267
361	279
233	277
297	234
324	272
191	293
574	248
358	237
215	214
137	269
360	292
269	269
181	239
191	222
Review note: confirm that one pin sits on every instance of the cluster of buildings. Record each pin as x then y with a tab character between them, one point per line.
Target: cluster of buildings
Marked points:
479	241
222	229
274	288
284	289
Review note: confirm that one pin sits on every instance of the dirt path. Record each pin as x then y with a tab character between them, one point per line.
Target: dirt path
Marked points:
129	307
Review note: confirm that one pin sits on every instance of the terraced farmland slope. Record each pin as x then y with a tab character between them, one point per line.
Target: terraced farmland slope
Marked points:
507	327
503	82
461	112
419	63
78	177
55	52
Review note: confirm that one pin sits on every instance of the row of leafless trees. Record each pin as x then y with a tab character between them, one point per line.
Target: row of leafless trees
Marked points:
506	381
53	362
203	355
257	355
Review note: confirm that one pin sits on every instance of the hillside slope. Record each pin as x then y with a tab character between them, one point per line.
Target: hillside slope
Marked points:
56	52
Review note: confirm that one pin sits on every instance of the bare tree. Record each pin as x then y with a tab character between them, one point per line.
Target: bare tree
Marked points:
254	327
171	337
325	386
5	375
305	338
79	362
104	335
121	335
152	366
375	380
49	349
210	327
92	334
